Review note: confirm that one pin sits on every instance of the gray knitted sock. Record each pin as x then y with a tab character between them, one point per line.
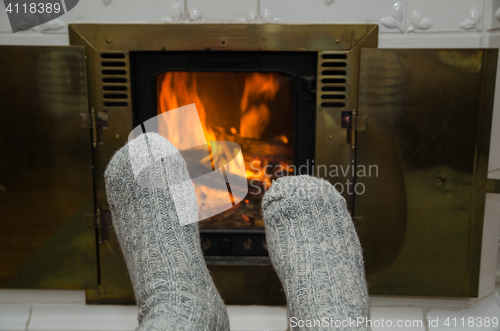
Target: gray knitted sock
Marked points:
316	253
171	282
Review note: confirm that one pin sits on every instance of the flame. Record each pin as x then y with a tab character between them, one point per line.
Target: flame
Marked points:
177	89
283	138
260	89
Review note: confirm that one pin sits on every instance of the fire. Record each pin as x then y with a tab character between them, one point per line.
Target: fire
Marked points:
177	89
260	89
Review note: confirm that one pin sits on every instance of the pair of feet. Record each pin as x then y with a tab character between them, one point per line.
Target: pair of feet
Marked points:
310	236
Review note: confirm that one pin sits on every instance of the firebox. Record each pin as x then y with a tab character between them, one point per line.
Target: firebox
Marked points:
403	135
264	101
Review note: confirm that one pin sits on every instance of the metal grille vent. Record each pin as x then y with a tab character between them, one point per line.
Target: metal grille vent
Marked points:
115	80
333	80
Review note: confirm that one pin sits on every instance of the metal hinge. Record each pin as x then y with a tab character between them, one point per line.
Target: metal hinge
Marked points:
95	121
102	221
353	123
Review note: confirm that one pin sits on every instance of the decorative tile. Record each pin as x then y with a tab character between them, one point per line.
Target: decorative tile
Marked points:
395	20
492	14
246	318
4	19
55	26
390	14
14	317
126	11
493	41
441	320
490	241
444	15
434	40
408	319
232	10
75	317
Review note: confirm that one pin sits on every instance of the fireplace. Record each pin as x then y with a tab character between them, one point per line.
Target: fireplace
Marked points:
263	101
402	134
259	86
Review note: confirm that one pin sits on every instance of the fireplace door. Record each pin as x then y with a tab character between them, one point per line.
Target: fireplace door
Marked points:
46	189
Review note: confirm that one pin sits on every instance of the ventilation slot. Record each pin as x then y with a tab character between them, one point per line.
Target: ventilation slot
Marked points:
112	56
115	104
334	70
334	64
113	64
115	96
334	56
114	88
114	72
114	79
333	81
333	104
333	96
333	88
334	73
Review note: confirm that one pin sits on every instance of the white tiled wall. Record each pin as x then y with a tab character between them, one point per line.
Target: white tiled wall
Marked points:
403	24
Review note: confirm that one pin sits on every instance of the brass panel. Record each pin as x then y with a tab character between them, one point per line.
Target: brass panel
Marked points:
334	146
46	171
220	37
428	122
114	280
114	283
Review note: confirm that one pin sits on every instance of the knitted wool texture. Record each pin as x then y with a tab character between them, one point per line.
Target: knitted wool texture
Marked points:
316	252
172	286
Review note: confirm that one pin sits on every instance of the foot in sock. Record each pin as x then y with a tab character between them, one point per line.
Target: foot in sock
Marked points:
171	282
316	252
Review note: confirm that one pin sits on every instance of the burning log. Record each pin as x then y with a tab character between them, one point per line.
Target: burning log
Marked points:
257	148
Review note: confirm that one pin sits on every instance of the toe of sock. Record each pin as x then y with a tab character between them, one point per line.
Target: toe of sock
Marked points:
294	189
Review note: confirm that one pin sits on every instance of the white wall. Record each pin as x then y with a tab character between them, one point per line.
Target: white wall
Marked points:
403	24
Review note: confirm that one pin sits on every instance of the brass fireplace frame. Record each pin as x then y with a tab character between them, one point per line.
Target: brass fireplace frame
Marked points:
120	39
